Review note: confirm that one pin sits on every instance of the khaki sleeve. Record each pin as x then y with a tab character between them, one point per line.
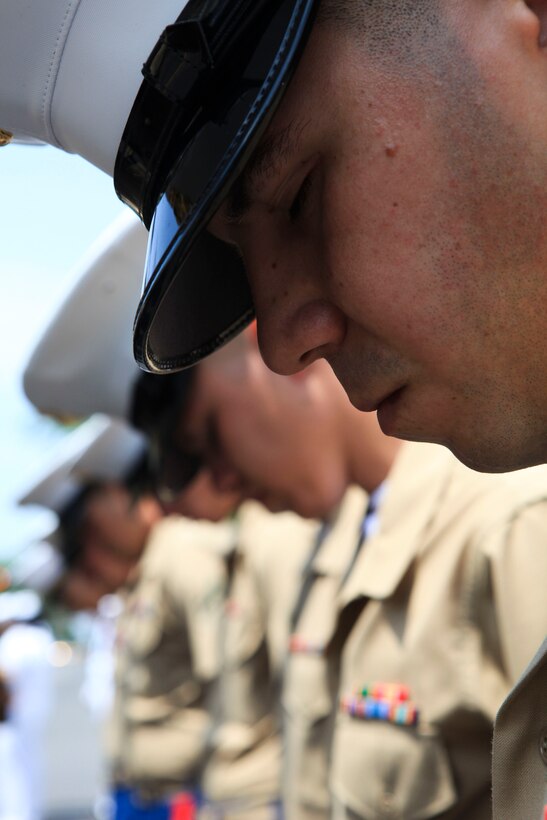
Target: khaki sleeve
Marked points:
518	557
199	598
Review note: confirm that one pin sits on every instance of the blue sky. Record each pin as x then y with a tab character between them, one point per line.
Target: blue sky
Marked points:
52	207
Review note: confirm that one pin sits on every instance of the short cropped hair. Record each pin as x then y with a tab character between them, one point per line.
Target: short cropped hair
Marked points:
72	523
386	25
366	14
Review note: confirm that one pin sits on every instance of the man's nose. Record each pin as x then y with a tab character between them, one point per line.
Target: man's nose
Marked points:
297	323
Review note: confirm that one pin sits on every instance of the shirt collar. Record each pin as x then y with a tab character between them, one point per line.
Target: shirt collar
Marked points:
416	483
341	535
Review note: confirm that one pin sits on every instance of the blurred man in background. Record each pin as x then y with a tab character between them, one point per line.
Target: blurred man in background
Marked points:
297	443
171	575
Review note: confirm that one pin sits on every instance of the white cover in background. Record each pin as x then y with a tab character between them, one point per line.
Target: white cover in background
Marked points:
24	659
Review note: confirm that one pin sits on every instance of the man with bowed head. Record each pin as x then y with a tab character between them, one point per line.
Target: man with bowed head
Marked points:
395	222
440	592
390	219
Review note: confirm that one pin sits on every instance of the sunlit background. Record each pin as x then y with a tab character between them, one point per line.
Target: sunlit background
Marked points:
53	206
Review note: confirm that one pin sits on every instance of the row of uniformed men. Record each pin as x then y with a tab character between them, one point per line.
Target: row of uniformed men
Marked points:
381	627
227	77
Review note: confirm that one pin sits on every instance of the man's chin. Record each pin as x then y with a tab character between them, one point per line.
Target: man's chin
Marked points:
482	455
481	445
491	454
493	460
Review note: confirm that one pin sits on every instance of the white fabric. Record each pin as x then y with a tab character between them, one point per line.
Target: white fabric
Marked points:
83	361
112	455
20	605
371	521
24	660
14	803
100	449
39	567
70	69
97	690
53	486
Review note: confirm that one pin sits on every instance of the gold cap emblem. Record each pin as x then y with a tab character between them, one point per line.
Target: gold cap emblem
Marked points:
5	137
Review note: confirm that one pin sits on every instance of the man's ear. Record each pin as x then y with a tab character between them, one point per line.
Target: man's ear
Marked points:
539	9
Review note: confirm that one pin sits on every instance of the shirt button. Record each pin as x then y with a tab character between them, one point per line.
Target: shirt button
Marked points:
543	746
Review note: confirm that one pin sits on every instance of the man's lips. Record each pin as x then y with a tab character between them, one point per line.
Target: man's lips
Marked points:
369	405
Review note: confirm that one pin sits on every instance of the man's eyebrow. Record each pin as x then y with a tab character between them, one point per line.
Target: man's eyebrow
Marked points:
274	150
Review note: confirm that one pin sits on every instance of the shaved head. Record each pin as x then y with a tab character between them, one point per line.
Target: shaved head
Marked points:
387	25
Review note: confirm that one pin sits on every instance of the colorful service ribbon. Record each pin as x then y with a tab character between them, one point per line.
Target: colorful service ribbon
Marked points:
387	702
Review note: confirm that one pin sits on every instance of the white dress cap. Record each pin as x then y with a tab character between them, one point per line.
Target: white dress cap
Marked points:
83	362
39	567
71	69
111	456
23	605
101	449
54	486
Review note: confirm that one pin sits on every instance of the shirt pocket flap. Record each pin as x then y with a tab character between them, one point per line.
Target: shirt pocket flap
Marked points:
385	770
156	709
243	636
306	694
141	710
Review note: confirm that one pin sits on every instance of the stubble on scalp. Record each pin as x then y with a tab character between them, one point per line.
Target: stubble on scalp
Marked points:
387	27
413	39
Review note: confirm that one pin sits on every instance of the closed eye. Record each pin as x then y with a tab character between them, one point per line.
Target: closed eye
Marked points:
298	203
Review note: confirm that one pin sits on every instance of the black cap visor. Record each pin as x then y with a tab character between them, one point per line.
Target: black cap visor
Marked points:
196	295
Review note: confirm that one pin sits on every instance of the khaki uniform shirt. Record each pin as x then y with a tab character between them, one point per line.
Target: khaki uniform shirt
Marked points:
447	600
168	654
520	747
308	699
242	777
